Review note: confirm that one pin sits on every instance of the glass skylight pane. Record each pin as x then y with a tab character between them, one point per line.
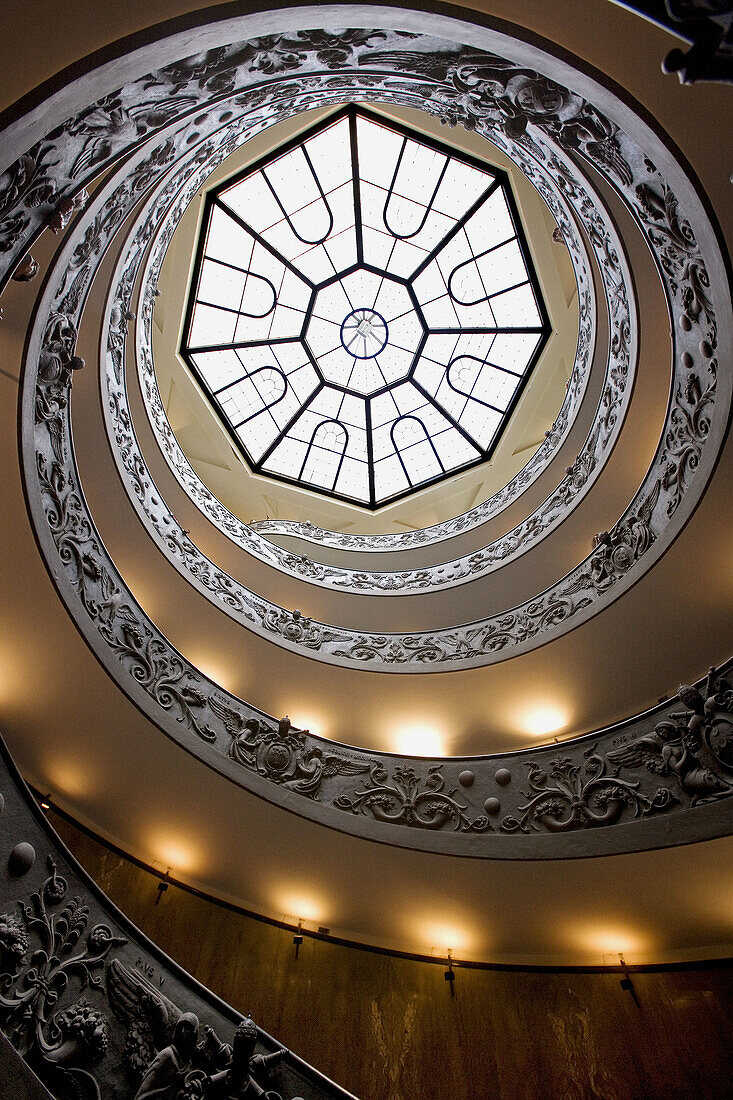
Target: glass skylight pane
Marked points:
320	323
480	423
257	436
490	224
210	325
353	479
453	449
516	307
217	368
389	478
514	350
221	284
226	240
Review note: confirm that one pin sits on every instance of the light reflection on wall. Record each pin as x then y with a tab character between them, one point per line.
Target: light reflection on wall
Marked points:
304	719
171	852
66	777
212	665
542	719
297	905
419	740
599	939
440	936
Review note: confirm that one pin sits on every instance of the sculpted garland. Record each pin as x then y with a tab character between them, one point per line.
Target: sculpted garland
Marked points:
182	697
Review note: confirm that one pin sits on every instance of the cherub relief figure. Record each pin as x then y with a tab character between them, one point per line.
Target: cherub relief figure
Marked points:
692	744
164	1053
161	1049
169	1068
245	1074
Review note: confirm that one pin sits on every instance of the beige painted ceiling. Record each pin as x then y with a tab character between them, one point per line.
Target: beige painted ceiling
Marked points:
76	735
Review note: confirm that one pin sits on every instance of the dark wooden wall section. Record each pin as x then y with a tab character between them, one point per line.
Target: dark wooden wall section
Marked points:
387	1028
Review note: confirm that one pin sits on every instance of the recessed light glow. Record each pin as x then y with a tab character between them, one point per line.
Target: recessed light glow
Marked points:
542	719
441	937
419	740
610	939
299	906
171	853
212	666
307	720
67	778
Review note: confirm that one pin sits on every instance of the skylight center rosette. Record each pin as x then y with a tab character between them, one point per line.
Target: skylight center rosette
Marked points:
363	312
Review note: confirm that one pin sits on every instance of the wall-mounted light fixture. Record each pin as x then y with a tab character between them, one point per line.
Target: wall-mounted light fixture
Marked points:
163	885
298	938
626	982
45	803
449	975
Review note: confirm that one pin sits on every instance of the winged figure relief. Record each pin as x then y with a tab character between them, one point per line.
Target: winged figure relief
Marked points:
671	749
286	755
168	1057
162	1042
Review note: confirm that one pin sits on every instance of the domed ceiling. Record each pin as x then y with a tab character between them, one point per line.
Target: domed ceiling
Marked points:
363	314
512	385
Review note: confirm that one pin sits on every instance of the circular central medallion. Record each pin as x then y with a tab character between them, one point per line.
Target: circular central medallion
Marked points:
364	333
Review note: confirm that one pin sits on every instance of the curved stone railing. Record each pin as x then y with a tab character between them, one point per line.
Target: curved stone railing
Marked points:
94	1007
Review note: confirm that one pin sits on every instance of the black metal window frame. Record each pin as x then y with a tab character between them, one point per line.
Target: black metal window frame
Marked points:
501	180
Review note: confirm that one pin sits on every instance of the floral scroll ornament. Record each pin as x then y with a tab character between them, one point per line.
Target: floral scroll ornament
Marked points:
49	957
573	795
408	799
59	1036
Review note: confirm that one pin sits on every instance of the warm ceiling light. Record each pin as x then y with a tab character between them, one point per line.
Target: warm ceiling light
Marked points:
66	778
419	741
306	720
442	938
211	666
608	939
174	855
300	907
542	719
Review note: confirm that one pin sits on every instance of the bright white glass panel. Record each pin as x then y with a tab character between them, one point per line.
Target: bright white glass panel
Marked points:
315	228
258	294
220	284
409	190
516	307
227	241
217	368
389	477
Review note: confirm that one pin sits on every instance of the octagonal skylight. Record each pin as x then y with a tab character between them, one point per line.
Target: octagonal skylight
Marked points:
363	311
